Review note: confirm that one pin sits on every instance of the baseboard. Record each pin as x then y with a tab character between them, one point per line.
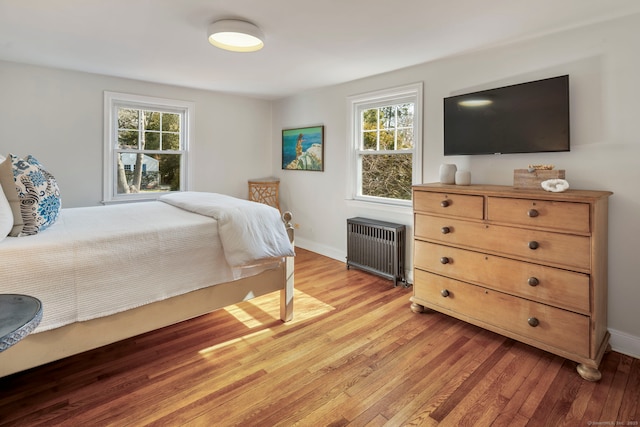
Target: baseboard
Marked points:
625	343
327	251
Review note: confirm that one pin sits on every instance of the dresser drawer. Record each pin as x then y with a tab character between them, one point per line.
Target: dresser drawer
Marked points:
552	286
460	205
565	216
554	326
556	249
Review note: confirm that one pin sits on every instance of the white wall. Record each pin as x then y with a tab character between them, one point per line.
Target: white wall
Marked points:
57	116
604	67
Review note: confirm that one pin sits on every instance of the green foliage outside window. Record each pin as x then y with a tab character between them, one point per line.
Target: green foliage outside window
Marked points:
387	176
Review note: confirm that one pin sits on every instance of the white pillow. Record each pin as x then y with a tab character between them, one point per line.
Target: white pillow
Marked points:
8	184
6	215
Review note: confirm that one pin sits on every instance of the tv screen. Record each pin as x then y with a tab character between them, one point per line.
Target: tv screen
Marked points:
529	117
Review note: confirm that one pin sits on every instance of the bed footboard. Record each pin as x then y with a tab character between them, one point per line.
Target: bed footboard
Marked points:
286	294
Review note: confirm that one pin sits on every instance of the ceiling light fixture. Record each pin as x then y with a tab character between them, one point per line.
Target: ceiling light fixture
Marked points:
236	35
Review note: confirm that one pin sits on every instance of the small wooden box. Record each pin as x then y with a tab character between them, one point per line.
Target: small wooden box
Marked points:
522	178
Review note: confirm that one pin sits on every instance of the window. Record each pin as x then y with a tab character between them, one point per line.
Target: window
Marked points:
385	154
147	144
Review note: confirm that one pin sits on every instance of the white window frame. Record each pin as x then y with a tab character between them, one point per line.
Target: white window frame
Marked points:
114	100
359	103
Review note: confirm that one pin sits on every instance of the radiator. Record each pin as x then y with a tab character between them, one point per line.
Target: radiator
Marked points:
376	247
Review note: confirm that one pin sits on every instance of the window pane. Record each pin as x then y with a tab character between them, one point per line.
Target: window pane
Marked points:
387	140
142	173
387	176
170	122
127	118
387	117
128	139
151	120
170	141
370	119
126	172
405	115
370	140
152	141
405	139
169	166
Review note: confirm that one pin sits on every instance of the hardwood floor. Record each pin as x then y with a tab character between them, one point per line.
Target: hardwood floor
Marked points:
355	355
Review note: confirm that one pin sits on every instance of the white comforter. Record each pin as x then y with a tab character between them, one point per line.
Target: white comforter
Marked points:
250	232
101	260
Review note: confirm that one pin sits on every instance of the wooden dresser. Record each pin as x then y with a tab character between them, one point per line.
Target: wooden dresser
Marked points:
527	264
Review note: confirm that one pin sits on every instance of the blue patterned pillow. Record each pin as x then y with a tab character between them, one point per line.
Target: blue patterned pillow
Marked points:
38	194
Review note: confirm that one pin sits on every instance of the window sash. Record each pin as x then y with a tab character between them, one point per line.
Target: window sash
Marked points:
112	102
360	103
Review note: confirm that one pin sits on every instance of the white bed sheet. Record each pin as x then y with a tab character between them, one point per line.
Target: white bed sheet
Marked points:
101	260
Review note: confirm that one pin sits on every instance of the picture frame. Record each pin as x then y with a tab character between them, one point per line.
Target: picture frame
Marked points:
303	148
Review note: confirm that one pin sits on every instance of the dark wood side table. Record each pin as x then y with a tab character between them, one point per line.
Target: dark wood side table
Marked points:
19	316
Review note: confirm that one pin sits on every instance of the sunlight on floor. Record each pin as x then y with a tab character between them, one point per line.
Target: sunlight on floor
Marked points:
266	309
241	340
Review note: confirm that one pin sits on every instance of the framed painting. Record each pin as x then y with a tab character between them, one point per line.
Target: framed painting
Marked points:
303	148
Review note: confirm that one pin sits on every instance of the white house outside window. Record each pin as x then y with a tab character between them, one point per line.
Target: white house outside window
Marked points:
386	154
146	146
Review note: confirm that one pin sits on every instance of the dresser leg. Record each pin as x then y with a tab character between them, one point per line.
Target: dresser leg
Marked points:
418	308
589	373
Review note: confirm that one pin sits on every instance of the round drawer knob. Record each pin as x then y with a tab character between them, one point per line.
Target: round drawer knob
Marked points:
445	260
444	293
534	245
532	213
533	281
445	203
533	321
445	230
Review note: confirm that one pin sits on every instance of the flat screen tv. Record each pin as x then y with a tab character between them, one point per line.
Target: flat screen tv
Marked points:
529	117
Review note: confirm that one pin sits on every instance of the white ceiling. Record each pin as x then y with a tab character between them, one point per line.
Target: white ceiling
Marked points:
310	43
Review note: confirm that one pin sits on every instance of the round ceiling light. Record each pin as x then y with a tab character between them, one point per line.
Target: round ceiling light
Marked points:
236	35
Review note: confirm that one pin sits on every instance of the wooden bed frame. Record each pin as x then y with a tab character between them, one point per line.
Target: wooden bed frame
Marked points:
48	346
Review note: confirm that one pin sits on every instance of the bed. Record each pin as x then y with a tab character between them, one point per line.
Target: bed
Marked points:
107	273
